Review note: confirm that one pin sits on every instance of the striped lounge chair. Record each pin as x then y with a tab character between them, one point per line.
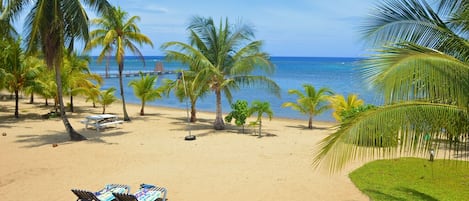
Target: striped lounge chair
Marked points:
145	193
104	194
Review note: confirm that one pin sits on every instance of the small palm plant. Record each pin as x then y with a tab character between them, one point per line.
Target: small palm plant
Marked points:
144	89
107	97
260	108
342	106
312	102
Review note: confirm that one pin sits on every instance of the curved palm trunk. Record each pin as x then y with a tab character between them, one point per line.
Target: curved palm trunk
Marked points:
74	135
121	86
310	122
219	124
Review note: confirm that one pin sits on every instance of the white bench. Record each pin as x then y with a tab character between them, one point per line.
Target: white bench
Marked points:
101	121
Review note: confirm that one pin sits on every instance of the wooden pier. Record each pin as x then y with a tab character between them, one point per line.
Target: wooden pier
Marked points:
134	73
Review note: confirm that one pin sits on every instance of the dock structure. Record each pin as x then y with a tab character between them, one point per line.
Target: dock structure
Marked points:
134	73
159	70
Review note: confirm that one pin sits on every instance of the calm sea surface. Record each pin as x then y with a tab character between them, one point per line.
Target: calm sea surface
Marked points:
339	74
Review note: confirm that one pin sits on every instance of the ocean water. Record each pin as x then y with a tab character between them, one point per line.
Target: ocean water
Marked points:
341	75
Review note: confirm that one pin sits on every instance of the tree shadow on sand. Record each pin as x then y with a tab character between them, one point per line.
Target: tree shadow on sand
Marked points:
411	194
303	127
62	138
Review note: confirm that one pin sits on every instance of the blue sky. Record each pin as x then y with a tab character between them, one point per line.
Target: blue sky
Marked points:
288	28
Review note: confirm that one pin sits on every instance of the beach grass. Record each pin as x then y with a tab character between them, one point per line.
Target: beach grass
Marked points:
413	179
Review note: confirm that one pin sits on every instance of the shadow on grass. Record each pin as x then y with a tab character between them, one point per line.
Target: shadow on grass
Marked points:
411	194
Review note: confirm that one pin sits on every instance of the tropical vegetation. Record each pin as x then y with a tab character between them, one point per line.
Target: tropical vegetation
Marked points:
185	88
144	89
312	102
52	25
116	32
341	107
106	98
240	112
260	108
421	69
224	58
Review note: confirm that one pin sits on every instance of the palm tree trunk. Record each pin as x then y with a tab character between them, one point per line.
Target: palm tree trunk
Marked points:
193	113
260	128
219	124
74	135
17	97
121	86
142	112
31	98
71	103
310	122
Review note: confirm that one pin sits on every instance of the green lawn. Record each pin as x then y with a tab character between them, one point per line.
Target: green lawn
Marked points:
413	179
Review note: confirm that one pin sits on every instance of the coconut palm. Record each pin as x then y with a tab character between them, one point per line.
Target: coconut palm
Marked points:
144	89
107	97
260	108
312	102
184	87
17	73
224	58
50	26
421	69
340	105
116	32
77	77
35	86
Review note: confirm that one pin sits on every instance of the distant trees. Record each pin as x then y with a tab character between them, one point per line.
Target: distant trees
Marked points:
342	106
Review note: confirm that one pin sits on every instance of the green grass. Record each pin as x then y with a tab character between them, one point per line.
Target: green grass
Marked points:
413	179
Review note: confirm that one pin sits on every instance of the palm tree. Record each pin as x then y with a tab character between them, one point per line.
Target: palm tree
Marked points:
260	108
224	58
107	97
144	89
50	25
312	102
17	74
77	77
340	105
35	86
184	87
117	32
422	71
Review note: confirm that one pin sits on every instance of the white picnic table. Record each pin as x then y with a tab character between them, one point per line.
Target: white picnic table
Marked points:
101	121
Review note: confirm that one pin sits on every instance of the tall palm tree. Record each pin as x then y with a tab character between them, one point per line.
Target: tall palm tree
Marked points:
312	102
144	89
340	105
116	32
260	108
50	26
224	58
422	71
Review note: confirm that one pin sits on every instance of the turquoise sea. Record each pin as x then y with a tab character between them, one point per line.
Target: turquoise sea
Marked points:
342	75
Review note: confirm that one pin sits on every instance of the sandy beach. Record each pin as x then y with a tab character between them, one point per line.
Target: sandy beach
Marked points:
220	165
